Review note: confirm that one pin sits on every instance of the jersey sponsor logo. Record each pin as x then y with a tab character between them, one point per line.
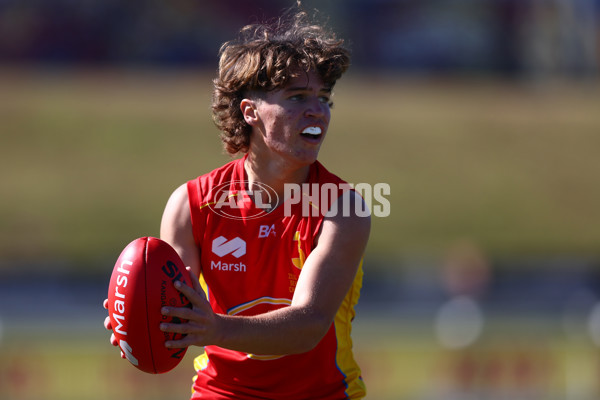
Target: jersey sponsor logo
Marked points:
266	230
222	266
222	247
236	246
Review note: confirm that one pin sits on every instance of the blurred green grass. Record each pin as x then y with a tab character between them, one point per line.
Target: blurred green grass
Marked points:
89	158
400	360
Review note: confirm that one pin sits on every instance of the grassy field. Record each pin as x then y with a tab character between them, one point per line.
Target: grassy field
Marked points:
89	159
399	361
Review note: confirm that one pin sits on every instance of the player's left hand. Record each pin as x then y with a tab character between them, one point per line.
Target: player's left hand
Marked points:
201	328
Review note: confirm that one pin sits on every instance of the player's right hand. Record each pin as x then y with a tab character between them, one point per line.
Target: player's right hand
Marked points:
108	326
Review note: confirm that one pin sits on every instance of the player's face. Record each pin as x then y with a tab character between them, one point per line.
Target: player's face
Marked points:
293	121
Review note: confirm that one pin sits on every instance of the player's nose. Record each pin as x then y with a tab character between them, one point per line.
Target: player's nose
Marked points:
316	108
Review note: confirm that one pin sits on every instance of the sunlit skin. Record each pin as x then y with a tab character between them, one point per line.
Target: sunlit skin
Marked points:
279	152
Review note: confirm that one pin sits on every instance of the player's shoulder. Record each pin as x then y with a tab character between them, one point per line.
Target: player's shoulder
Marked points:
180	194
177	205
349	215
352	204
347	225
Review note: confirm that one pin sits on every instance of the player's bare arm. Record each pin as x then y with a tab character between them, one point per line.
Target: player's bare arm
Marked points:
176	228
324	281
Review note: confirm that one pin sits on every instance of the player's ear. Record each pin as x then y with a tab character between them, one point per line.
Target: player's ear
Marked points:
249	112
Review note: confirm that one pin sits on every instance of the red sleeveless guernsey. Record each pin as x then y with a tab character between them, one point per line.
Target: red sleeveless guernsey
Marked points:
251	261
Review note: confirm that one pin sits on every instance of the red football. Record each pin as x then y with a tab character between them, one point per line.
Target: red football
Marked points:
141	283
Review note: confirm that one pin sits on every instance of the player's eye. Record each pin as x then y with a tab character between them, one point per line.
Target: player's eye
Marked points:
326	100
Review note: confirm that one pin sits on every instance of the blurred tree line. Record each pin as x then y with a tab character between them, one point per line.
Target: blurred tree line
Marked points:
506	37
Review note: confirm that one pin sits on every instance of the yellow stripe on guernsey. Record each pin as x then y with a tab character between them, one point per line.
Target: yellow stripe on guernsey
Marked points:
203	285
345	360
201	361
260	300
250	304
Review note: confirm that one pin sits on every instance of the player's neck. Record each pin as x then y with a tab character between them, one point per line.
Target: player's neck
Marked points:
274	172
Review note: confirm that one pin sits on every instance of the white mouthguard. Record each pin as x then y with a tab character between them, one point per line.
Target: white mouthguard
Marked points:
312	130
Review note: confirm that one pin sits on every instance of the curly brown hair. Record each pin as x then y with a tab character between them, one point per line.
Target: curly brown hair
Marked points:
264	58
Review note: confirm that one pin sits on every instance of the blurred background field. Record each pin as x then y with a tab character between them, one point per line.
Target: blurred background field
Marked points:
483	282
